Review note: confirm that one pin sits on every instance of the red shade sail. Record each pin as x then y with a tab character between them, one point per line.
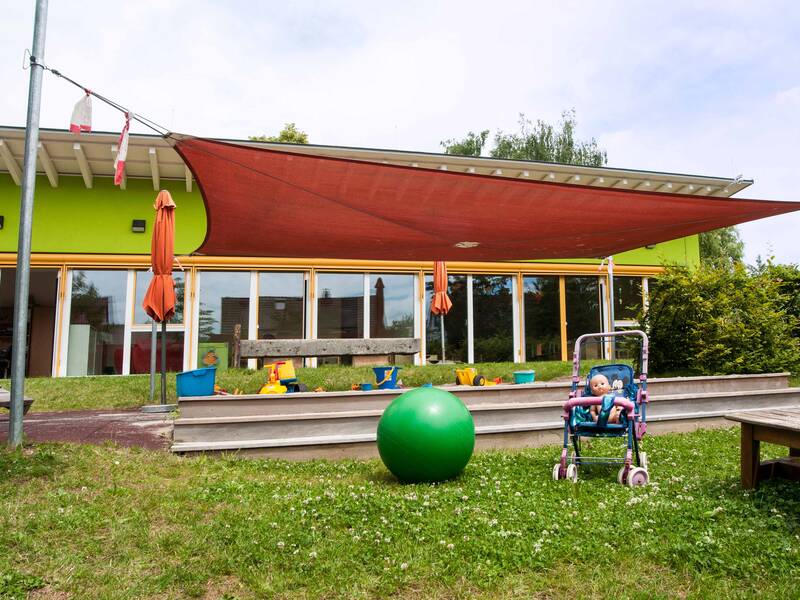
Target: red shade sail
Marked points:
264	202
441	303
159	301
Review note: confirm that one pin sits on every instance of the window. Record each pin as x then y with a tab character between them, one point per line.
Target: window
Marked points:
492	318
542	318
41	320
141	344
391	306
97	323
627	299
453	325
224	303
281	305
143	279
340	304
583	314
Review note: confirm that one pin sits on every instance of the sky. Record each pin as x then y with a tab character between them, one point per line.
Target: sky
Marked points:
707	88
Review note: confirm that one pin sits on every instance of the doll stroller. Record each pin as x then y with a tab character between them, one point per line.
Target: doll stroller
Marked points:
632	420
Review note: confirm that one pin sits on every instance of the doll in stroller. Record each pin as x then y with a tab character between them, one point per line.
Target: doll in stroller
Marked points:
610	404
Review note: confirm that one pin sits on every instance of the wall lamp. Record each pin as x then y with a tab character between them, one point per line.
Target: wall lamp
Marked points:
138	225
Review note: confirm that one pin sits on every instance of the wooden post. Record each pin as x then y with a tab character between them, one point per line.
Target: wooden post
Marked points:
237	337
751	457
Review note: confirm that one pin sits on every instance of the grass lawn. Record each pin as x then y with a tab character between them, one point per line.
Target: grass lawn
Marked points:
106	522
110	391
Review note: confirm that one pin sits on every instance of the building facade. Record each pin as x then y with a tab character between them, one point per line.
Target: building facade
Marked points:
91	257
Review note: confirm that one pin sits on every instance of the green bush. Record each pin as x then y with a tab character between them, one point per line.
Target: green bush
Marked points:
787	277
720	321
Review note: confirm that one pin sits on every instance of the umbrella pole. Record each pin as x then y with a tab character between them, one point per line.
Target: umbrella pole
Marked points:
441	322
164	361
153	344
611	317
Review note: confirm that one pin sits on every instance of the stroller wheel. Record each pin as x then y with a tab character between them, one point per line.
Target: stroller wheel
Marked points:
572	473
637	476
643	460
556	471
622	475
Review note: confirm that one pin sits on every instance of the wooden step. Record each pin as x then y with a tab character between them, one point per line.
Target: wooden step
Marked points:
489	418
254	404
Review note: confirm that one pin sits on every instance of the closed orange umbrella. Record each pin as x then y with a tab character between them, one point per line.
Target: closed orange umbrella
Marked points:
441	304
159	301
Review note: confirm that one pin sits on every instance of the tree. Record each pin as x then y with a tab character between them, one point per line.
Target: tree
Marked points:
471	145
290	134
721	247
535	141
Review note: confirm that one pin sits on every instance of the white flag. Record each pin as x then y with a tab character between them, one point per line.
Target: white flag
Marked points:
81	115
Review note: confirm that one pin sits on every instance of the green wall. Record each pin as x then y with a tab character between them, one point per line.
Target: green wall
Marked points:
71	218
683	251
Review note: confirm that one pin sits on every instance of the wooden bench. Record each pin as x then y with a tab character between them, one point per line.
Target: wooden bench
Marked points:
5	401
302	348
774	426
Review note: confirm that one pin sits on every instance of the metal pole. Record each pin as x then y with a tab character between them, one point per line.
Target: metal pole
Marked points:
164	361
20	333
611	305
153	344
441	323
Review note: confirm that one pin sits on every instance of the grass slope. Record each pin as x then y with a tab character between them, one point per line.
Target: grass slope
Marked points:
106	522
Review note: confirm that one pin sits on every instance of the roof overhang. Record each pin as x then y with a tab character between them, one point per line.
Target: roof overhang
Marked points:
152	157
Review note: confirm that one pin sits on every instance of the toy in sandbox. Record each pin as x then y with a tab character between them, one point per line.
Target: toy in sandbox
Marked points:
426	434
470	376
609	405
282	379
386	377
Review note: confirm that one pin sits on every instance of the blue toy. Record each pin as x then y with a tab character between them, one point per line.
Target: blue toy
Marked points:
609	405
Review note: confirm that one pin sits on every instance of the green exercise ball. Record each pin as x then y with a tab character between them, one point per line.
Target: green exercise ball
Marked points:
426	434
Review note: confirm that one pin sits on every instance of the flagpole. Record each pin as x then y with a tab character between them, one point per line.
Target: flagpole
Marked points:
22	286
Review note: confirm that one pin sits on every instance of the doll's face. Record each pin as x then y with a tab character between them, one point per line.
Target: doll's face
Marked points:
599	385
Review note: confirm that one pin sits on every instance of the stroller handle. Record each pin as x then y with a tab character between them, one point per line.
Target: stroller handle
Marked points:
576	355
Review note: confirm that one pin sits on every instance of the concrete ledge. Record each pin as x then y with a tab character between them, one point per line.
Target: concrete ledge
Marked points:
339	424
354	448
337	347
254	404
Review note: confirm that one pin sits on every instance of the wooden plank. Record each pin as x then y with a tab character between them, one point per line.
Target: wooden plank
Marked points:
776	435
788	419
750	457
337	347
785	468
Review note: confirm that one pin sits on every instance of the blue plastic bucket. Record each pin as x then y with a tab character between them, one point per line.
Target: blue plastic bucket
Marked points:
199	382
386	377
366	387
524	376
